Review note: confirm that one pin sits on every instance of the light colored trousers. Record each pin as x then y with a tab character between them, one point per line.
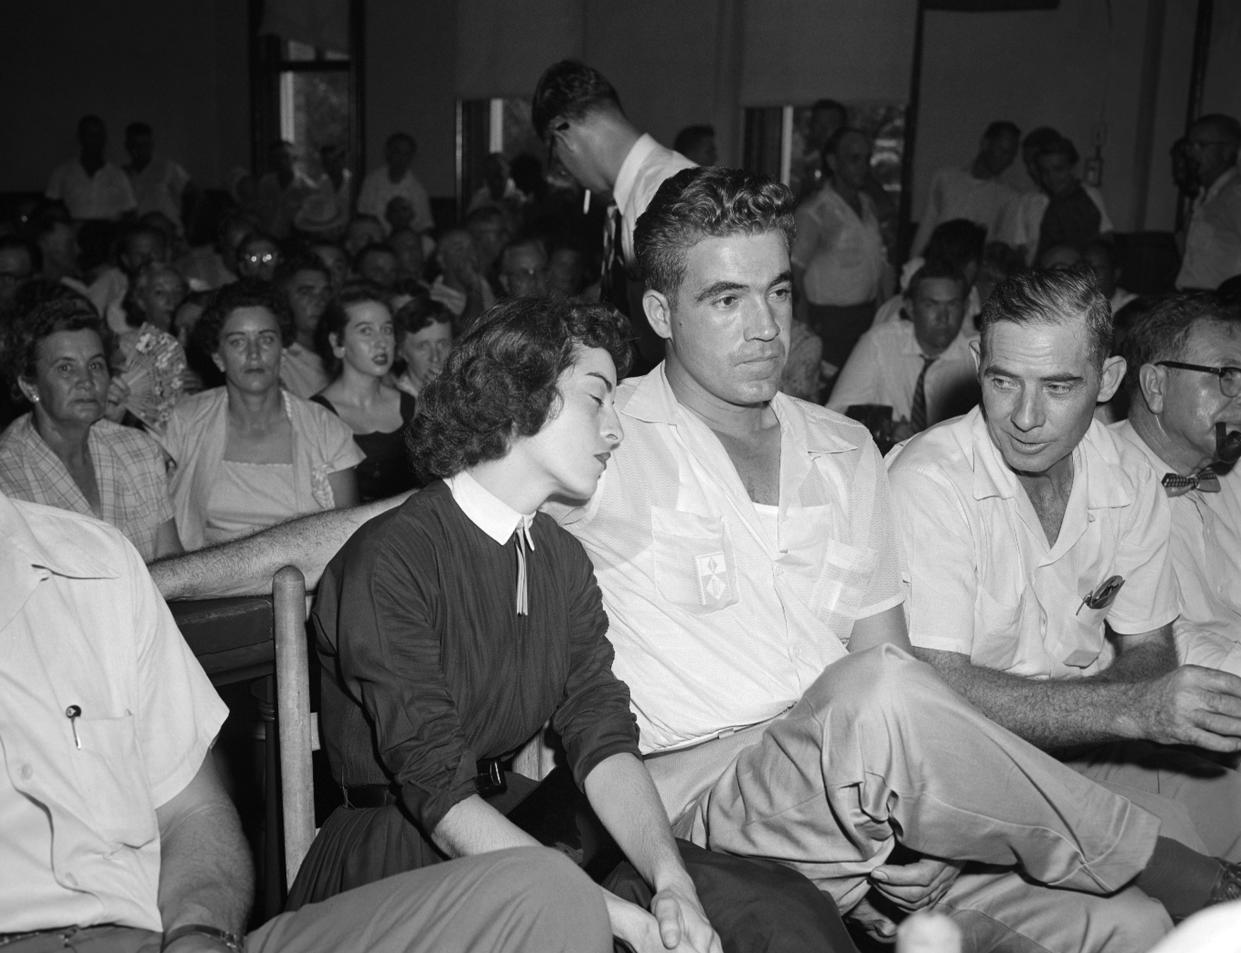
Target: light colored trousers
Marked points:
525	900
878	750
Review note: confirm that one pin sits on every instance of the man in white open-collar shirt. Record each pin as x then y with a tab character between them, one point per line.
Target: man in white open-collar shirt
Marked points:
1040	581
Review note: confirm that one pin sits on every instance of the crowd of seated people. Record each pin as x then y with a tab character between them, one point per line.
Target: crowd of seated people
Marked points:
319	354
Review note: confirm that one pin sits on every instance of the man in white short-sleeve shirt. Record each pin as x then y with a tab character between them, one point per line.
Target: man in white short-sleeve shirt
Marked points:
1040	582
745	548
91	187
1213	235
1184	381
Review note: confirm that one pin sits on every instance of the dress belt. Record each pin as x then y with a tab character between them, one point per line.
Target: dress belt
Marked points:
369	795
488	780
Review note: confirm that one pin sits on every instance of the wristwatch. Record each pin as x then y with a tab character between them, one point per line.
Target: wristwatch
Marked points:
233	941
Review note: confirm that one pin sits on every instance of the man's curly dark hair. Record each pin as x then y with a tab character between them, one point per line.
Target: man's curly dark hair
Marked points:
500	380
703	203
247	293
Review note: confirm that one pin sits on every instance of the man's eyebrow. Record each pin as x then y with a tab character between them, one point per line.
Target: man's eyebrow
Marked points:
1001	371
719	287
783	278
607	383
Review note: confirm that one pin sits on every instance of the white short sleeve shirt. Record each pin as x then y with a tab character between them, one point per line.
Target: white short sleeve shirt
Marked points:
105	715
984	581
718	623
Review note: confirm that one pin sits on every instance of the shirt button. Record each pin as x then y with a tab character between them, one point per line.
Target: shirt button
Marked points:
27	772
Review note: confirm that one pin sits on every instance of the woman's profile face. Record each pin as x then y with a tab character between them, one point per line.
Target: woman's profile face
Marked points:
426	350
71	378
249	350
368	343
573	447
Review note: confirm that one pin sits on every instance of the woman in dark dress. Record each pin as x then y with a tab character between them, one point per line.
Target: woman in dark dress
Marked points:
358	347
451	629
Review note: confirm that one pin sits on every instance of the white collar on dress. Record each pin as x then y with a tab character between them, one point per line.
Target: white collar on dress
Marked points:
499	521
486	510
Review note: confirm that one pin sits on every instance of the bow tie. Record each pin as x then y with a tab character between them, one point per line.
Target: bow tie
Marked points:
1205	481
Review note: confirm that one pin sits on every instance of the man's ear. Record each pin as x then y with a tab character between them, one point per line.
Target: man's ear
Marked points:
976	353
1153	382
1109	379
658	312
218	362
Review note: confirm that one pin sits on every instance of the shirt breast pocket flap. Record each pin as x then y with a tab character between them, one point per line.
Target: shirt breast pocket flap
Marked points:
843	580
692	561
110	772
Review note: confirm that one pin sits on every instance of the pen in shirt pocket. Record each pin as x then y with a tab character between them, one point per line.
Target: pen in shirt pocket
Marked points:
73	713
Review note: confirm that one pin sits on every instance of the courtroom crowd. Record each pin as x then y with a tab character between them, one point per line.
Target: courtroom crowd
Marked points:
843	588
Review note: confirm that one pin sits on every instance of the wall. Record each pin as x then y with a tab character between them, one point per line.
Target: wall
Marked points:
182	67
1074	68
410	84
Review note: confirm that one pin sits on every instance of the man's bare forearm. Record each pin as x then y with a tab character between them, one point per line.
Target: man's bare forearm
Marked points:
1055	713
205	875
245	567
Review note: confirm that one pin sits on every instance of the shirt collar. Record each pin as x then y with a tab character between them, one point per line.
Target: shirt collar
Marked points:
653	401
55	548
1218	185
627	175
1094	455
485	510
909	342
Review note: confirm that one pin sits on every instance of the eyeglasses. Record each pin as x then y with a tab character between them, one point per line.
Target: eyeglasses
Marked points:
1229	377
562	126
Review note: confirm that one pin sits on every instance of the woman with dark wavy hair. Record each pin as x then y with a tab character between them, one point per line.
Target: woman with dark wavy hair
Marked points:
459	623
250	454
358	343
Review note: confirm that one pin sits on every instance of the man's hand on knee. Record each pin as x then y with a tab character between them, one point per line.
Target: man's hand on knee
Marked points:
917	885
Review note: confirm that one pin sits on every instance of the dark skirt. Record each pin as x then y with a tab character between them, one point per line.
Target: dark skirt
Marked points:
359	845
756	906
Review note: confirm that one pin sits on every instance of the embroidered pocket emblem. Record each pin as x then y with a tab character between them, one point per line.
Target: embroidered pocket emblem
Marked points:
713	589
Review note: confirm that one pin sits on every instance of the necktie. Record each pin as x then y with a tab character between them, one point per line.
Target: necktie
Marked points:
613	254
524	542
1205	480
917	409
